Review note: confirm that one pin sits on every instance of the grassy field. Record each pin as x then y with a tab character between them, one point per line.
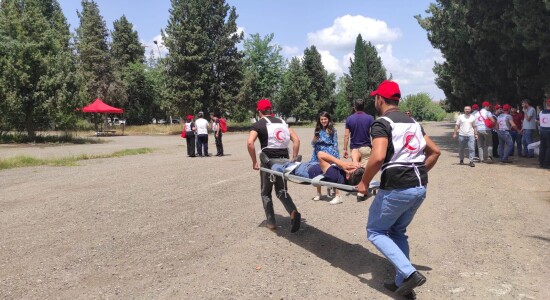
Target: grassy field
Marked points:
27	161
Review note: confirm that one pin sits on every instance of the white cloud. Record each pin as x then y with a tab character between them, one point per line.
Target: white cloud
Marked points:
150	45
331	64
290	51
343	32
413	76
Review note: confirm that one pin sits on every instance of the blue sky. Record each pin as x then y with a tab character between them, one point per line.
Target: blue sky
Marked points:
331	26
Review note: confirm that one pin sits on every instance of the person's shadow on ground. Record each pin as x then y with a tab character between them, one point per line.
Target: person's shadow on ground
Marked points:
354	259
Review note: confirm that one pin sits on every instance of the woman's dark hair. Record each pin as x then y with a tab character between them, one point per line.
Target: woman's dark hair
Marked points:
330	125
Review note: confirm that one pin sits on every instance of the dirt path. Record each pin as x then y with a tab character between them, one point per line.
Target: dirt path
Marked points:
164	226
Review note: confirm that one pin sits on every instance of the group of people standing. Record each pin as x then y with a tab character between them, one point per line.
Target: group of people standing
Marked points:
395	144
505	128
196	133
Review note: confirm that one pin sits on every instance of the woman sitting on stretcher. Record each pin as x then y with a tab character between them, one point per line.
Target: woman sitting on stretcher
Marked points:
334	169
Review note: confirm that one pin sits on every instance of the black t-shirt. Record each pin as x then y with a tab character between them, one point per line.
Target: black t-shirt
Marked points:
261	128
396	177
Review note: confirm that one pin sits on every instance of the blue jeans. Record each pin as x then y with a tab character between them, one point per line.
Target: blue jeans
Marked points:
463	142
505	145
516	139
389	215
301	170
528	139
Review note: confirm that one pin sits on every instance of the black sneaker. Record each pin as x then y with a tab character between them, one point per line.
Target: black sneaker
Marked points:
415	280
392	287
472	164
295	221
298	158
265	160
461	162
361	198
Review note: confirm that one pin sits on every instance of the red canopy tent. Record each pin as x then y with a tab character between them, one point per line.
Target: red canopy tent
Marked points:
98	106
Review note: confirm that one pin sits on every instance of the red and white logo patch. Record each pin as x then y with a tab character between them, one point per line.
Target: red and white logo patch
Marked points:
411	143
280	135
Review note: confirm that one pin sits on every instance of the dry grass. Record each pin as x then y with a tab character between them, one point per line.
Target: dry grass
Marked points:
21	161
151	129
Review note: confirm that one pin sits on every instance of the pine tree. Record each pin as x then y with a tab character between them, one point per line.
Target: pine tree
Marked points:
131	88
93	52
322	85
296	98
203	65
36	66
126	48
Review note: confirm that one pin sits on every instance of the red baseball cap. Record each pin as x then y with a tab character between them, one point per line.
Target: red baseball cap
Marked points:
506	107
485	104
263	104
475	106
189	117
497	106
388	89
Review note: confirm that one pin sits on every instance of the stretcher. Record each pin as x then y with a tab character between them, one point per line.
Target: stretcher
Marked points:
319	181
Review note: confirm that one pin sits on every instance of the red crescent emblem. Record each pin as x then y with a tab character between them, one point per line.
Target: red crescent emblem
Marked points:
544	120
277	135
480	119
408	138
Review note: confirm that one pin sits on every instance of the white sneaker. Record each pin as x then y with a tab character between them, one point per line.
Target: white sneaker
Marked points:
316	198
336	200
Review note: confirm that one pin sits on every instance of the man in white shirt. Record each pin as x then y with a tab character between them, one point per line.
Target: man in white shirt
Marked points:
202	135
467	134
529	127
485	137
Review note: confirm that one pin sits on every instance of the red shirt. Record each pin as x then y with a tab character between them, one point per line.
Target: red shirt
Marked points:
518	119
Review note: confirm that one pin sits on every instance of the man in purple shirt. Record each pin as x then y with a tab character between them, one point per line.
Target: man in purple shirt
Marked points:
358	132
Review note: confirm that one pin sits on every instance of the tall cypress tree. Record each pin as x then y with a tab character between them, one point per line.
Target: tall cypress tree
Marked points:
358	69
367	72
36	66
376	74
93	52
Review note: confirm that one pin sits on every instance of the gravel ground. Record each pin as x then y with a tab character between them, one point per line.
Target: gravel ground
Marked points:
165	226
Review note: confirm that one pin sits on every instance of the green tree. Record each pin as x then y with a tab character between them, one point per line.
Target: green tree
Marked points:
125	46
322	84
93	52
367	72
358	69
263	67
296	98
495	51
131	89
376	74
343	101
203	65
422	107
37	76
226	66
